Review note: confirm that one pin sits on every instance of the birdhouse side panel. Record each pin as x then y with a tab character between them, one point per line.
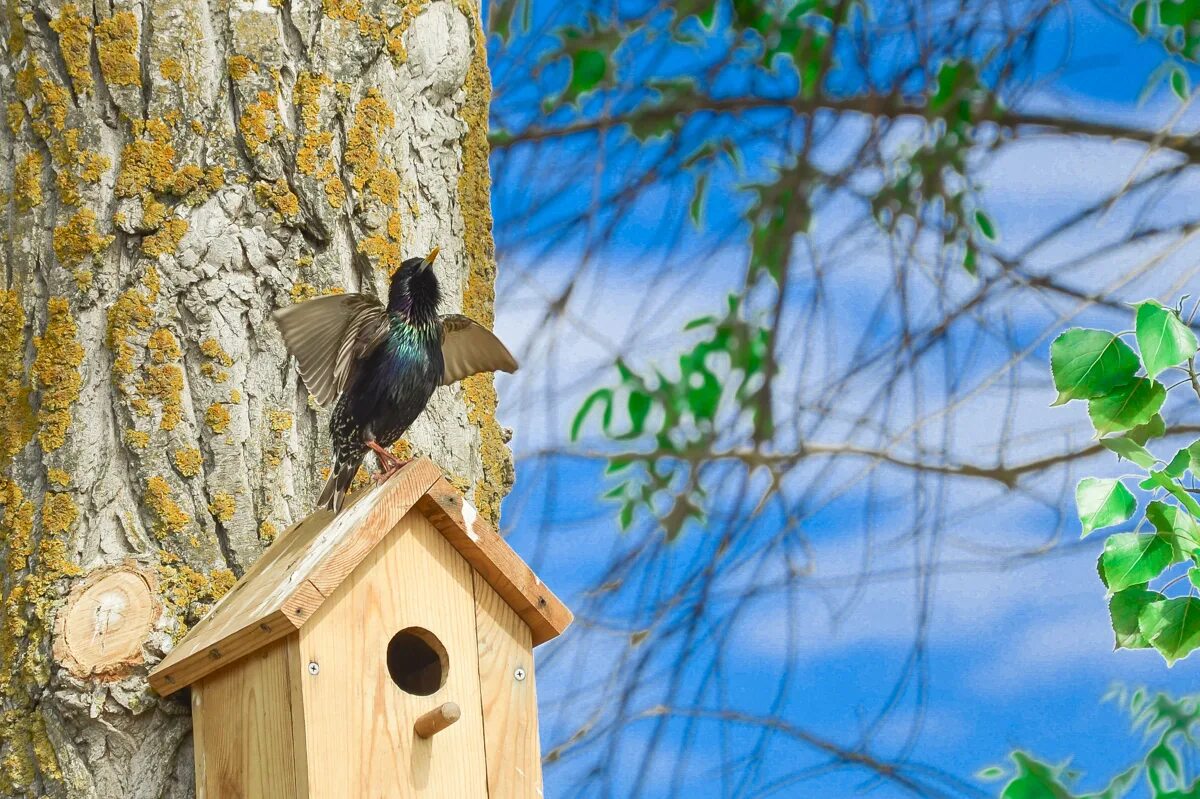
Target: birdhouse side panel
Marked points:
510	719
245	722
412	595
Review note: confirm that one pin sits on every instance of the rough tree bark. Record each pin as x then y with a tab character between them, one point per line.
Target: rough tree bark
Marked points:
172	171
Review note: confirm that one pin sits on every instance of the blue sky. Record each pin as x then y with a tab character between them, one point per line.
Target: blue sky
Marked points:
1017	657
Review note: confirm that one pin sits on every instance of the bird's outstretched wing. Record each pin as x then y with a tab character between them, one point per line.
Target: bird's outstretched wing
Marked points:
328	335
468	348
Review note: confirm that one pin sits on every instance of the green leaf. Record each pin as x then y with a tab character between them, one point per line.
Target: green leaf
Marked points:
1131	559
639	409
587	70
1172	626
1130	450
1179	464
603	395
626	517
990	773
1179	83
696	208
1089	363
1035	780
985	225
1124	609
1127	406
1194	577
1193	450
1177	525
1102	503
1155	428
1162	337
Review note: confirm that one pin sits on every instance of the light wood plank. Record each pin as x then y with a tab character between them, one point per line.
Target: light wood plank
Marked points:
495	560
510	716
244	729
360	737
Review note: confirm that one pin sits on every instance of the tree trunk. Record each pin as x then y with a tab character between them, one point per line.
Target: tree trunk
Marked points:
172	172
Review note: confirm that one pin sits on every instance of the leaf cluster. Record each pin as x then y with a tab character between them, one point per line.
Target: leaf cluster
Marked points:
1125	398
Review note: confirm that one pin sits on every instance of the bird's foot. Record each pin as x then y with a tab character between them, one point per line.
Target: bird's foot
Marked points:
389	462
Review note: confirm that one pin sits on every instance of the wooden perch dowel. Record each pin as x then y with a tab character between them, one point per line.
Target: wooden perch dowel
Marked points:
437	720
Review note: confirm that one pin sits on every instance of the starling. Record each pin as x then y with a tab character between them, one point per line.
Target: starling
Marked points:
382	364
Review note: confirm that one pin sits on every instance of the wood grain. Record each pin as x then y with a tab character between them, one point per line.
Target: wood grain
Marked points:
244	729
359	724
495	560
510	713
288	583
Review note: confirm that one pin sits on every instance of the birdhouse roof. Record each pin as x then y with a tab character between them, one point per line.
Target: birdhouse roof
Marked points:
284	588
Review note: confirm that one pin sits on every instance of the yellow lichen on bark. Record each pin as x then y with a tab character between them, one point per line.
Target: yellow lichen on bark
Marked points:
56	373
223	506
188	461
117	46
27	181
171	518
217	417
479	296
75	42
171	70
78	239
166	240
16	415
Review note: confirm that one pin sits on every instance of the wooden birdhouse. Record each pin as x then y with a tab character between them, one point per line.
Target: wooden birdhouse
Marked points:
383	652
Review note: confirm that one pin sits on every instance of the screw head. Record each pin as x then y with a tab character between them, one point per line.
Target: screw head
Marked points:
519	674
313	667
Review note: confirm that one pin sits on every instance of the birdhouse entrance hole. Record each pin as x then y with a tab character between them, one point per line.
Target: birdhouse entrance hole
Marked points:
417	661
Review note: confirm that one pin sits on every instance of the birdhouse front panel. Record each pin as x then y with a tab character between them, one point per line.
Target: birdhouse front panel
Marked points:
396	640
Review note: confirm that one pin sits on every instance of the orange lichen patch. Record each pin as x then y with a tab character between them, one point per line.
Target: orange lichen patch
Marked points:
223	506
384	247
308	97
240	67
130	313
267	532
171	70
78	240
117	43
394	39
58	477
27	181
166	240
335	191
258	121
372	117
16	415
16	115
211	348
280	421
75	42
304	291
217	417
164	377
138	439
94	165
163	346
312	147
148	163
171	517
188	461
235	396
56	373
59	513
186	179
220	581
279	196
213	373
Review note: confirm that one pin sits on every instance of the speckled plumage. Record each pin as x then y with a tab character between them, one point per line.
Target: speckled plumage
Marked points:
382	364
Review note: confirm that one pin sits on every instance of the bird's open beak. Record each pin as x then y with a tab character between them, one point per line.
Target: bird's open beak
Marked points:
429	259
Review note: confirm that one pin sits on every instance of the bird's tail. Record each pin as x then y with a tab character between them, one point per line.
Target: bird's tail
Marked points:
341	475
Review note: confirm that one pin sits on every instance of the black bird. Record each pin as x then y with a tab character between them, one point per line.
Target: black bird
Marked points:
382	364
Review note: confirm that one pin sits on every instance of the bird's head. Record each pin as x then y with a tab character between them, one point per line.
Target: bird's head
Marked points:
414	282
